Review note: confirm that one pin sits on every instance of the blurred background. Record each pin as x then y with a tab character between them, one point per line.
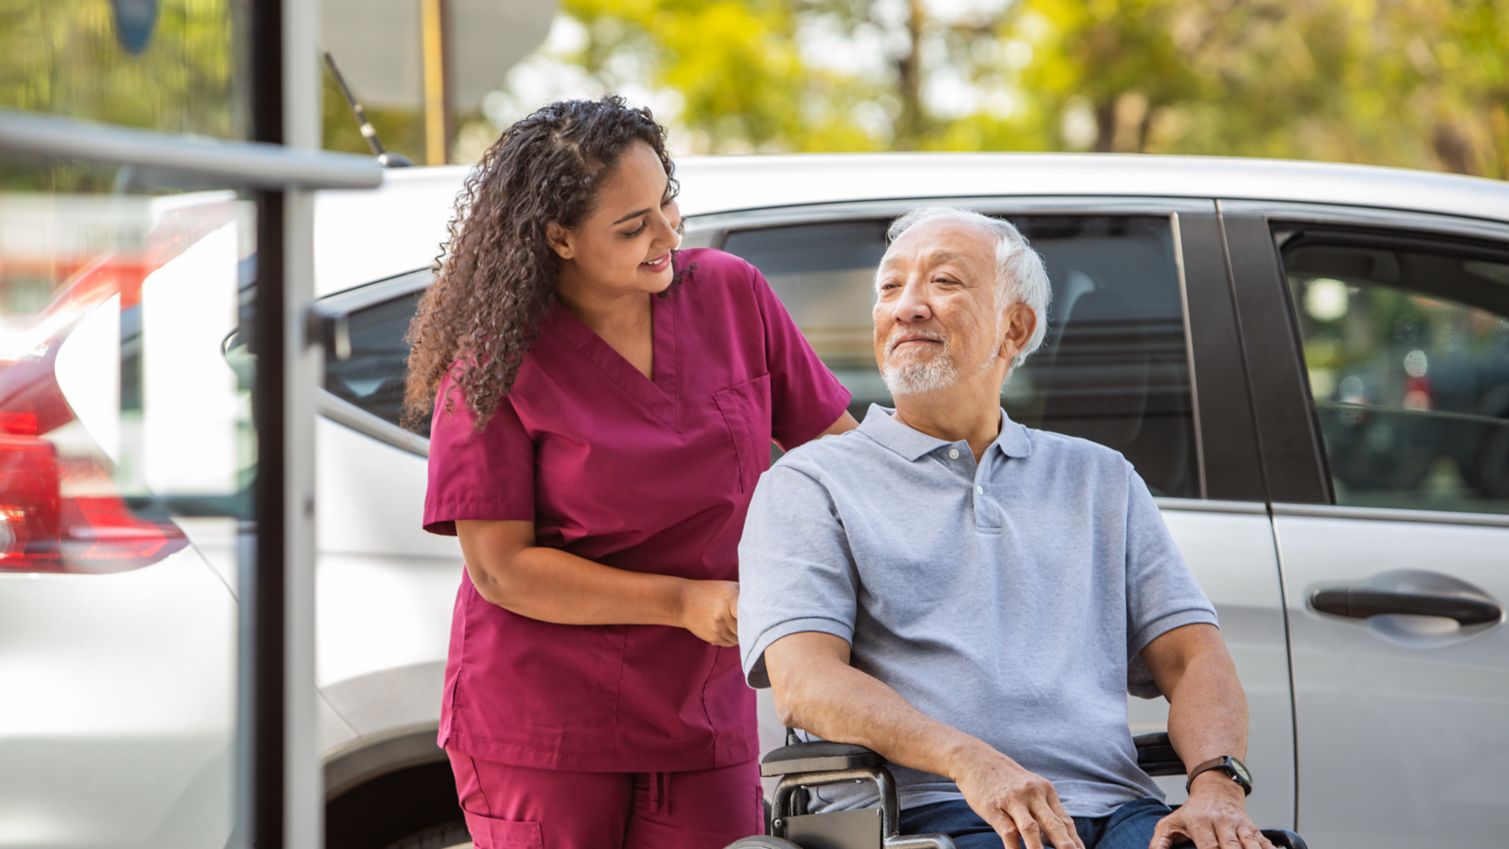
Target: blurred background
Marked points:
1410	83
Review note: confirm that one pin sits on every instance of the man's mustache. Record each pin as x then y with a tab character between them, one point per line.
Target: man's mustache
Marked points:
912	335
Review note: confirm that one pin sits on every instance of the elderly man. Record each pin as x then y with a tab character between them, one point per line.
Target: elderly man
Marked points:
973	598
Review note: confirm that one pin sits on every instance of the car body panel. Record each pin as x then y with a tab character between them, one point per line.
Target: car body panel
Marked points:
119	702
1414	706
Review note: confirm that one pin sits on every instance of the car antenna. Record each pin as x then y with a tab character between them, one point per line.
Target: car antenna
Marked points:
385	158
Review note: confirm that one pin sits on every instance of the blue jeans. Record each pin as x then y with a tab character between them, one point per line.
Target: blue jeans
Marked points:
1128	827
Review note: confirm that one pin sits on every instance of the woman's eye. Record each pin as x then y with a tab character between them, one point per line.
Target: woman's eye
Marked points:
637	230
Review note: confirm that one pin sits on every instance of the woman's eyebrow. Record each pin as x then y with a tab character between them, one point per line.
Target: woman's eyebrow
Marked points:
634	214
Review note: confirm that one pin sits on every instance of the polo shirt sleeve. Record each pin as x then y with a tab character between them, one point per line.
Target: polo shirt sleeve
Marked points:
1161	592
487	474
796	572
805	396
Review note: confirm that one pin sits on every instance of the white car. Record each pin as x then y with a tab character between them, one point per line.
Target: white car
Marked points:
1305	362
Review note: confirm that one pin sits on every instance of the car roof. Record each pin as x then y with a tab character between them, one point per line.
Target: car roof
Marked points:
361	236
717	184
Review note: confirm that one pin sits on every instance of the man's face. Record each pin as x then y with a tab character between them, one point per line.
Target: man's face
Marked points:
936	308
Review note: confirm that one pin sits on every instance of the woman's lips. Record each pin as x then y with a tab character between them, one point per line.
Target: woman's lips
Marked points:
658	264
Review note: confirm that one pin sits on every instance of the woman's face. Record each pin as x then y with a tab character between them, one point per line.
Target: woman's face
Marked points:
624	244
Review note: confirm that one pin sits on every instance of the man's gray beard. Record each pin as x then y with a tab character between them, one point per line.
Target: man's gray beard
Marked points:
915	378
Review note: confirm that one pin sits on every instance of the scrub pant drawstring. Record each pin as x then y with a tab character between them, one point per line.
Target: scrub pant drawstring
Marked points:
660	792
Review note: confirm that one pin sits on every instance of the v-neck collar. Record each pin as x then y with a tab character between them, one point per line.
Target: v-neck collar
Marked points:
658	396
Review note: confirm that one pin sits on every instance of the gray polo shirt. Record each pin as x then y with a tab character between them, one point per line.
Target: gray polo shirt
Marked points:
1009	599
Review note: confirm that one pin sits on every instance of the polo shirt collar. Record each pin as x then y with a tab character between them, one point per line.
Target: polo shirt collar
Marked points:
881	426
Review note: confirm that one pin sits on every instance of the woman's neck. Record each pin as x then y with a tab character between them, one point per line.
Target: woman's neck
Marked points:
607	314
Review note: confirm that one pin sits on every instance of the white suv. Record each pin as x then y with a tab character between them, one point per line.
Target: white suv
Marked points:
1308	364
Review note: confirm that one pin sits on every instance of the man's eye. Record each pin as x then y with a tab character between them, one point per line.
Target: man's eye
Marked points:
948	281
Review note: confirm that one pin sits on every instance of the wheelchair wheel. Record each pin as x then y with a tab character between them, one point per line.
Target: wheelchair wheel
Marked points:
762	842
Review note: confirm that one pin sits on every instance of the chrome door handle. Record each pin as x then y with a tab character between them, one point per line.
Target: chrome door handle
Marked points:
1362	601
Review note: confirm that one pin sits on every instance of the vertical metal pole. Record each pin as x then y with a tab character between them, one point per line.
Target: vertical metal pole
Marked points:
261	677
437	84
304	797
282	800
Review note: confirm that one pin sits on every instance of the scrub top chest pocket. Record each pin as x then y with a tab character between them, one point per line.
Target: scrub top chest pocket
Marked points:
745	408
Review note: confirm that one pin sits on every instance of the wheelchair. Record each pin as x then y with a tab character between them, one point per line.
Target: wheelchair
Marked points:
800	766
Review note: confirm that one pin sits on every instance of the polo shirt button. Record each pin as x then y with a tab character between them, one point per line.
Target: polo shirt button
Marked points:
979	490
953	453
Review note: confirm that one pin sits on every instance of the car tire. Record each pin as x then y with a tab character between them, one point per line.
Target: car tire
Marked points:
412	808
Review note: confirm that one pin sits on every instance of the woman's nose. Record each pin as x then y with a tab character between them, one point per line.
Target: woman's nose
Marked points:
668	222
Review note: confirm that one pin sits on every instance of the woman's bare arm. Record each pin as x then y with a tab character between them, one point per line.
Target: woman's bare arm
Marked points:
551	585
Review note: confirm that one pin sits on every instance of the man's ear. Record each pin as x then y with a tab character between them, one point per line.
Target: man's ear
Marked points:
560	241
1021	321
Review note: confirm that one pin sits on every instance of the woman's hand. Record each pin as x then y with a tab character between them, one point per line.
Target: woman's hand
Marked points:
710	609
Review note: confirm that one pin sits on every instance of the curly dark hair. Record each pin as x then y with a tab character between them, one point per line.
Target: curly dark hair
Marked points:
496	277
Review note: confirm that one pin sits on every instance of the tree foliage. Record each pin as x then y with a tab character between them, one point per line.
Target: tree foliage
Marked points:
1418	83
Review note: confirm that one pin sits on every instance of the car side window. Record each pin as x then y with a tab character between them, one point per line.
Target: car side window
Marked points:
1406	345
1114	367
372	376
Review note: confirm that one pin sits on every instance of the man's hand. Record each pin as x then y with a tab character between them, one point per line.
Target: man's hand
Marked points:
1214	817
1022	807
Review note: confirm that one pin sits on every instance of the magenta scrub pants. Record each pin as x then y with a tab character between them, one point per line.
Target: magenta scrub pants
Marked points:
516	807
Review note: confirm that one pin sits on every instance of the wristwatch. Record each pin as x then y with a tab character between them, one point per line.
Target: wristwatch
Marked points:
1227	764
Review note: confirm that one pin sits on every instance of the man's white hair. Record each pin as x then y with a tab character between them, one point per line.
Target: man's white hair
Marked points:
1020	275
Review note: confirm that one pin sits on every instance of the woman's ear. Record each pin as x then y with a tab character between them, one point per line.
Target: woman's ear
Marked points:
559	239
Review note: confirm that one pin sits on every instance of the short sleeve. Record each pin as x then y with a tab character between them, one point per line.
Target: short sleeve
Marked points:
805	396
1161	592
796	572
487	474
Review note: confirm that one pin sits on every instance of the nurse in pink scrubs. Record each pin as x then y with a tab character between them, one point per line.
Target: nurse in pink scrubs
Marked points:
602	407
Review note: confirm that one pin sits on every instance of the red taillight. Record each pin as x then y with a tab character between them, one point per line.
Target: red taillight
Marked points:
18	424
104	536
44	528
30	503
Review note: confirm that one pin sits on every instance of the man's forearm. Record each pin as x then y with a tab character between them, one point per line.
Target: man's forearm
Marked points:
1207	714
837	702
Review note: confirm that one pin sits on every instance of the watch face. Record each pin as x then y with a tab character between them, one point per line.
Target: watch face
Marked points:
1239	771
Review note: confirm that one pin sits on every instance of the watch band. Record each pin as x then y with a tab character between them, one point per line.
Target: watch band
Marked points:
1233	768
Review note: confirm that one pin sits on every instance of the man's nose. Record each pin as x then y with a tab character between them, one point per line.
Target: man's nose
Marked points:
912	304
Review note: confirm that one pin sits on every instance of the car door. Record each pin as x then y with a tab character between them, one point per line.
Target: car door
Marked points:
1379	345
1139	356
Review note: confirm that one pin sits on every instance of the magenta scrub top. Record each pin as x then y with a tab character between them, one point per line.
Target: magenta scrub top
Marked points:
652	476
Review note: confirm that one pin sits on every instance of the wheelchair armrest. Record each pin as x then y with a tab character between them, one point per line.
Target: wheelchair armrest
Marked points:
1156	755
817	756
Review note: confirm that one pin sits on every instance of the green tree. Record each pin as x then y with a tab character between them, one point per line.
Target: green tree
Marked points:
62	57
